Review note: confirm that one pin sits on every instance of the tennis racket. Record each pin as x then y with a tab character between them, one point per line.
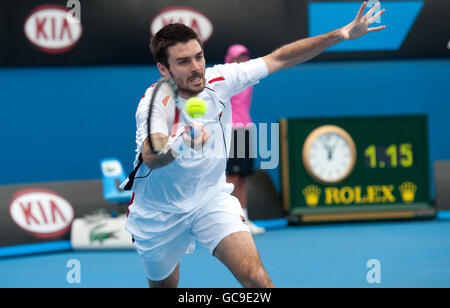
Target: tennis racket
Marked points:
164	126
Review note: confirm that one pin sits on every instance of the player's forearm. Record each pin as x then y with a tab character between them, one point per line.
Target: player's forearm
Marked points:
158	161
154	161
301	51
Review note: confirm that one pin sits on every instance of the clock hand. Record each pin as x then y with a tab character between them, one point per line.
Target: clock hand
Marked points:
334	145
331	149
328	149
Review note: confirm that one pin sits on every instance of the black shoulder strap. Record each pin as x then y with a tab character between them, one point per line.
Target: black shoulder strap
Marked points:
132	175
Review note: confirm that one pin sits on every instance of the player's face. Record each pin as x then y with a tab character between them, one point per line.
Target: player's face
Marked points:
187	67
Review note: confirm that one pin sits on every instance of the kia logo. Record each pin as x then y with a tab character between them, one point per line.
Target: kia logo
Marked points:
185	15
52	28
42	213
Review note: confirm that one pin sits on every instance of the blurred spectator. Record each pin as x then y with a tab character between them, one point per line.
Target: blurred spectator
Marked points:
239	168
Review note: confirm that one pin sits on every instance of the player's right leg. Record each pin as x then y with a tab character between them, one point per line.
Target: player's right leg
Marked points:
221	227
169	282
238	253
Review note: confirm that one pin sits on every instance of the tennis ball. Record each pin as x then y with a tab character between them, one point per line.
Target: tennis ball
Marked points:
195	107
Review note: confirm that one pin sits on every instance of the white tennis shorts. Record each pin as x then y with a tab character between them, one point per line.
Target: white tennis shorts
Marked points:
162	239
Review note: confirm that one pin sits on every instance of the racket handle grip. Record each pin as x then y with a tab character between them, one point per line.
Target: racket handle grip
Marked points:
194	132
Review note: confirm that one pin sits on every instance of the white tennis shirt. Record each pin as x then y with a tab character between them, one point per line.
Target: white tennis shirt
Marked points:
194	177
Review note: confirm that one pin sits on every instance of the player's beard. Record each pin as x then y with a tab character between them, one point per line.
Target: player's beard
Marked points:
190	86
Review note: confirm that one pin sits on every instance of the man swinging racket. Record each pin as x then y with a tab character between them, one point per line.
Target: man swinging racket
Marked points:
180	198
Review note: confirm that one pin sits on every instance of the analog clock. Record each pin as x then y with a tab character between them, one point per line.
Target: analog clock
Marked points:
329	154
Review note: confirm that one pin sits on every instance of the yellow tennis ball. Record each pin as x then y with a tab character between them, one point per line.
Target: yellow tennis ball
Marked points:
195	107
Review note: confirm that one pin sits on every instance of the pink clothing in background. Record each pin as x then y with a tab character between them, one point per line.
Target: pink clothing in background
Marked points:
240	103
240	107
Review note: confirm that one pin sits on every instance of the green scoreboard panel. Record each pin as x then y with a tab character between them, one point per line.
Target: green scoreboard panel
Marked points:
355	168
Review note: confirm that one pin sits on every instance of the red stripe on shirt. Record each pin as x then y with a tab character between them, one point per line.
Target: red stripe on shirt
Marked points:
132	199
216	79
175	122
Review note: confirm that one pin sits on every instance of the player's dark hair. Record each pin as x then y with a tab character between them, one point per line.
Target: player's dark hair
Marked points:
168	36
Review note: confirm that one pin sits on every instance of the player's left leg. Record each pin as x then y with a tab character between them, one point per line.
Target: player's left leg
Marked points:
220	226
239	254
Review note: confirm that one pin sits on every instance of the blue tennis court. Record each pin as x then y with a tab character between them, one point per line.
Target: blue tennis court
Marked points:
410	254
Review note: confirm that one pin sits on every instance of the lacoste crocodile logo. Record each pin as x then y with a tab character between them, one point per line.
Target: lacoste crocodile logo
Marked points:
101	236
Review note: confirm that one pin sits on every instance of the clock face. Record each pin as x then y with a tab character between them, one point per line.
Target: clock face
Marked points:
329	154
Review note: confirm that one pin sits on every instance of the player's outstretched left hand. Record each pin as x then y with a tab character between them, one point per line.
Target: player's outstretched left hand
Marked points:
360	25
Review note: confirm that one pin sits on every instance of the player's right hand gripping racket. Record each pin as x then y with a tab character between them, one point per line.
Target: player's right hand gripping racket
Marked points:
163	123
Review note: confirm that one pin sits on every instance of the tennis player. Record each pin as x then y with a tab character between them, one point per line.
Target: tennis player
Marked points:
179	201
